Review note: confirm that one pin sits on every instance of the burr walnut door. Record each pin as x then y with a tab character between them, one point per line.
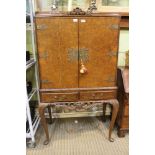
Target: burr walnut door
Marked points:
57	39
98	46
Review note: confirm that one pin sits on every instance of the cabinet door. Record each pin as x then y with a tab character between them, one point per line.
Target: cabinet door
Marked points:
56	39
98	46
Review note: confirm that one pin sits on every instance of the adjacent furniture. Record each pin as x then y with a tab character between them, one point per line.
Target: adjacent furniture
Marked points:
123	98
77	56
124	24
32	121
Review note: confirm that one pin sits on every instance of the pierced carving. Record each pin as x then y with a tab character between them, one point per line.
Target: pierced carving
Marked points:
79	107
78	11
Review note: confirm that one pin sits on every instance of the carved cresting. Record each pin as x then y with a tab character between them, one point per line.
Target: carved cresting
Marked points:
77	11
81	105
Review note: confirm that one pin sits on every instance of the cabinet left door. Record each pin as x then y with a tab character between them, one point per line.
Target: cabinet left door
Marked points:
57	41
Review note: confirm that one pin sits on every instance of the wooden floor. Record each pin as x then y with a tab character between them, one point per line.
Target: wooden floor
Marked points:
79	136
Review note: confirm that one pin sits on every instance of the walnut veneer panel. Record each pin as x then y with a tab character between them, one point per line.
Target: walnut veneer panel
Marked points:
48	49
59	35
100	36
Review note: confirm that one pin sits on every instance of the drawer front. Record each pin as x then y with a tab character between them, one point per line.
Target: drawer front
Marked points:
58	97
97	95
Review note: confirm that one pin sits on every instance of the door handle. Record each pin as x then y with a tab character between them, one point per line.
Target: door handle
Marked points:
83	69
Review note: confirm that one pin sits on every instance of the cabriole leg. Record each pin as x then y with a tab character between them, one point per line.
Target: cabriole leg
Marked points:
43	122
115	105
104	110
50	115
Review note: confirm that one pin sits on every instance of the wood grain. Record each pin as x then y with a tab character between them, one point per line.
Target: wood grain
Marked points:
101	39
61	35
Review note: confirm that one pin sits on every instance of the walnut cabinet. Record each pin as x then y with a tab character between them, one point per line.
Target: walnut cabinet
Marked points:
65	45
77	57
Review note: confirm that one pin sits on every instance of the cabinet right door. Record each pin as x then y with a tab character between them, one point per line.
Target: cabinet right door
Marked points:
98	51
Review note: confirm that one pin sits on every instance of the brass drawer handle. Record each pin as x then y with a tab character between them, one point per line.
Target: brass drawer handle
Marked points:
63	97
56	97
93	95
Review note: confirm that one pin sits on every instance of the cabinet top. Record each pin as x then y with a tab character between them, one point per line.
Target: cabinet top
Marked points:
62	14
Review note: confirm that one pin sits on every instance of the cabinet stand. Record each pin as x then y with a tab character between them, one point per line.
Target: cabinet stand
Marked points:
43	106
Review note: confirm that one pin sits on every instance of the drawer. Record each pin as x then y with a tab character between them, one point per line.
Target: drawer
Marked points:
98	95
55	97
